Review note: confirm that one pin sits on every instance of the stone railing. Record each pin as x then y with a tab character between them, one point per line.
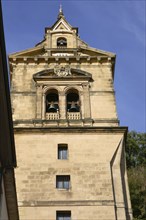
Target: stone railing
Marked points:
73	115
70	116
52	116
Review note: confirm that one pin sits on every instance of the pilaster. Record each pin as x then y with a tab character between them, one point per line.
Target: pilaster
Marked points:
39	102
62	105
86	96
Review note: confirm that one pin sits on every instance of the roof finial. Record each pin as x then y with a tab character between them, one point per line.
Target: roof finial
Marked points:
60	10
60	15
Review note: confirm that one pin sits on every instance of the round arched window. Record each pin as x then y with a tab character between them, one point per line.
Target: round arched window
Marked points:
52	101
73	103
61	42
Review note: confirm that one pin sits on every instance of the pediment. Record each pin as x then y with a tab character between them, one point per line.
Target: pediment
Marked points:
89	51
62	72
35	51
60	25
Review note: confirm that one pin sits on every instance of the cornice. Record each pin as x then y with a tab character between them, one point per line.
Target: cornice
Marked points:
80	59
109	130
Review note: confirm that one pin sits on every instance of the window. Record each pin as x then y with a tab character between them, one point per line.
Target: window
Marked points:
63	215
62	151
61	42
63	182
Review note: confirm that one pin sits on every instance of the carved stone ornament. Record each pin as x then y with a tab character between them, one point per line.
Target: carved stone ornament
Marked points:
62	71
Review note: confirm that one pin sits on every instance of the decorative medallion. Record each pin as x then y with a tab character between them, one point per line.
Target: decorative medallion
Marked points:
62	71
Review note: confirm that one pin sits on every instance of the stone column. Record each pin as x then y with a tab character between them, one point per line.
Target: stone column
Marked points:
86	96
62	105
43	105
82	105
39	102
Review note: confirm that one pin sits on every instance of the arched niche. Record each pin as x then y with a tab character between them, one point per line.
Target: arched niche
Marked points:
61	42
52	101
72	101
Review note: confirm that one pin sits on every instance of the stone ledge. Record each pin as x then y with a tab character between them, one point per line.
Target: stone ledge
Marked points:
102	92
67	203
63	122
96	130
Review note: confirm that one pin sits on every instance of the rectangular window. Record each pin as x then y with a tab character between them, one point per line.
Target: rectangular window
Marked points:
63	182
62	151
63	215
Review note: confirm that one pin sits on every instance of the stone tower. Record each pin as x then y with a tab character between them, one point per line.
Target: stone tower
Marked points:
69	145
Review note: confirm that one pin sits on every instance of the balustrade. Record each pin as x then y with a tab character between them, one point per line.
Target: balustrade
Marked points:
73	115
70	116
52	116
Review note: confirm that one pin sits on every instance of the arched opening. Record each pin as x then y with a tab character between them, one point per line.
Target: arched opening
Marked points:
61	42
52	101
73	103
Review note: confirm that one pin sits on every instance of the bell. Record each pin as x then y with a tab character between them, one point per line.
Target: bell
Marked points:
52	108
74	108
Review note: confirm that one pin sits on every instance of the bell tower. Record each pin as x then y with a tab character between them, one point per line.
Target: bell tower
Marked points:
69	145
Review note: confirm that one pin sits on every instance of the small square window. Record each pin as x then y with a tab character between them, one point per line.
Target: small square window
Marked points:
63	182
63	215
62	151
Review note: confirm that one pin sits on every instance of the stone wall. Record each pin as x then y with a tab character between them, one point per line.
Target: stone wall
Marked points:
101	101
89	165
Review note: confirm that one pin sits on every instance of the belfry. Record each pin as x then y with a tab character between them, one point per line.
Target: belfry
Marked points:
69	144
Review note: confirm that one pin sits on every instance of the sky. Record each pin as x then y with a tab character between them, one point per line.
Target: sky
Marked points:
117	26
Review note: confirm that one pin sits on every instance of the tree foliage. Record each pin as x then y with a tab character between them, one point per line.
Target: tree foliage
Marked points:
136	164
136	149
